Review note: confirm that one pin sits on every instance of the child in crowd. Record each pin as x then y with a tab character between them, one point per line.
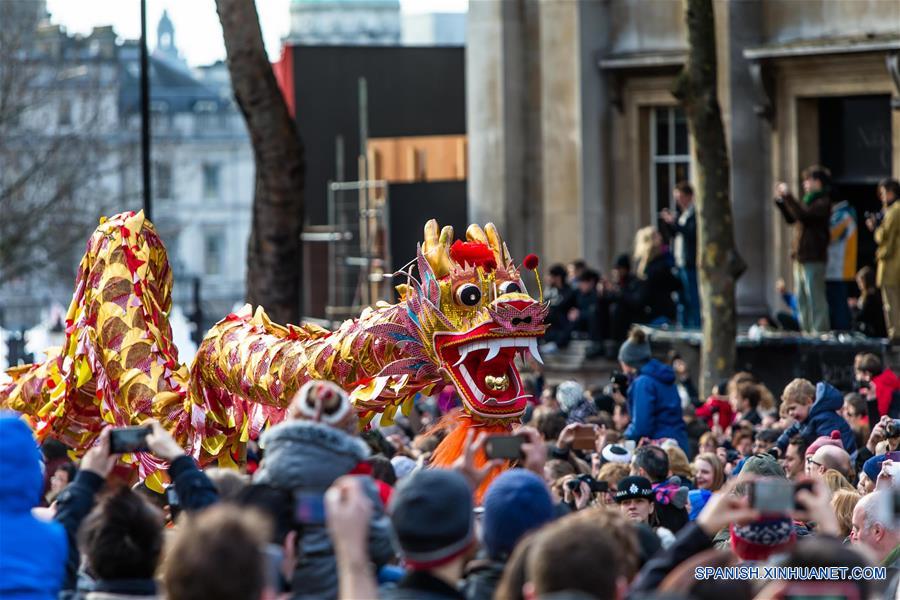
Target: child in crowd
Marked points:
816	412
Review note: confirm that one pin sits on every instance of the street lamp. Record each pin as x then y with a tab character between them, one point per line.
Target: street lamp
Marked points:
145	113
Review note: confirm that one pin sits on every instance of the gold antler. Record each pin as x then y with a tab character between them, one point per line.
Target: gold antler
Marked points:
497	245
436	247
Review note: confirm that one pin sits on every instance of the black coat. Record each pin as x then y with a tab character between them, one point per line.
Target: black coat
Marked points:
657	288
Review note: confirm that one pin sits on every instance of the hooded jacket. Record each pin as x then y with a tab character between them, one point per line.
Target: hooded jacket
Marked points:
822	419
32	552
886	384
308	457
655	407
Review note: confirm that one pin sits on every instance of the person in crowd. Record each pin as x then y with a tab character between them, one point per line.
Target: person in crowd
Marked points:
121	541
794	461
558	295
843	502
687	391
63	476
563	559
869	475
871	528
765	440
887	236
744	400
836	482
573	402
742	441
871	373
856	415
868	311
229	483
708	472
575	270
683	228
810	218
654	267
815	410
788	320
717	409
431	511
670	495
841	265
621	295
307	454
653	401
826	458
679	465
219	553
32	552
635	499
582	315
516	503
823	552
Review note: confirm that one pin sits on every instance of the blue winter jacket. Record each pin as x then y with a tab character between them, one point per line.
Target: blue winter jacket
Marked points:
823	418
32	552
655	406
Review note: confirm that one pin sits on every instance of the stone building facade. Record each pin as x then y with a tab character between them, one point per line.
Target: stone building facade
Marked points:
576	140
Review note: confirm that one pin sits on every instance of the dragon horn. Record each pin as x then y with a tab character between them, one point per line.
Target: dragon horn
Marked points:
476	234
497	245
436	248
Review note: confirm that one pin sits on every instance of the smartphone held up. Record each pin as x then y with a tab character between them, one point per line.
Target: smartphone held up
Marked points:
123	440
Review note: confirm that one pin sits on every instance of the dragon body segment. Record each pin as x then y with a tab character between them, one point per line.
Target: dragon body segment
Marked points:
462	318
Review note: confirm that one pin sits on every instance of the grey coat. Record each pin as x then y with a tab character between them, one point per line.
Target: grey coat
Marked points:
308	457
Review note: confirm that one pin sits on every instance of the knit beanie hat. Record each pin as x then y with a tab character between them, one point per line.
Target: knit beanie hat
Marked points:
403	466
635	352
872	467
698	499
763	465
431	511
515	503
834	439
761	539
569	394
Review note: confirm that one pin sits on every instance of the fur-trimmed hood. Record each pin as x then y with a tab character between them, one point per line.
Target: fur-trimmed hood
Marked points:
309	455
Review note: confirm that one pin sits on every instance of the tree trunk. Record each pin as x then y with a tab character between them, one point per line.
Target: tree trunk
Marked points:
719	264
274	249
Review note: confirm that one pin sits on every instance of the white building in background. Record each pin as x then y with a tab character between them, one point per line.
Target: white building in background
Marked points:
345	22
202	160
371	23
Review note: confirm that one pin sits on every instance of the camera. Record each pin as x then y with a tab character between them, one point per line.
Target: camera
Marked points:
892	429
618	383
594	485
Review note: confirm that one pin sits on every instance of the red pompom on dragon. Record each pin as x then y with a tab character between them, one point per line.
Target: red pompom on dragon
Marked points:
462	320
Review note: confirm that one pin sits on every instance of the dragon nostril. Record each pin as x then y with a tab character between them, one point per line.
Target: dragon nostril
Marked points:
526	320
516	320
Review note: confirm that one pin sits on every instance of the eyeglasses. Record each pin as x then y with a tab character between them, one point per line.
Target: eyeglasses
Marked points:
810	461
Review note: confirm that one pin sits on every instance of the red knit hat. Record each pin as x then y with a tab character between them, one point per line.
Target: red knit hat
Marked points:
761	539
830	440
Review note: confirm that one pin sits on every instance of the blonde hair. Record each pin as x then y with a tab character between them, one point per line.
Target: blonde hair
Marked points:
708	437
842	503
678	462
798	391
613	473
718	469
645	249
836	481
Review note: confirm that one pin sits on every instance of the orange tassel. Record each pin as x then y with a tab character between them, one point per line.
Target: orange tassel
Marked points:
452	447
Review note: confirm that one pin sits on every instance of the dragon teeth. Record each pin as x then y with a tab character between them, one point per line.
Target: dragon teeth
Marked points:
533	350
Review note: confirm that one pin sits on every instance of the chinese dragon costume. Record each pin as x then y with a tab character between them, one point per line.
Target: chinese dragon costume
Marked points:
462	320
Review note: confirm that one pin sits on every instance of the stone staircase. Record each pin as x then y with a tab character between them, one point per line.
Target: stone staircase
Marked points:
571	363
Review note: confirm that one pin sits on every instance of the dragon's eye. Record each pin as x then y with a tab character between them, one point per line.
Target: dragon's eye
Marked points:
468	294
510	287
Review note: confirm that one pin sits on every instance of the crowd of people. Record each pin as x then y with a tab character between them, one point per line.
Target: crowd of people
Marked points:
657	284
625	491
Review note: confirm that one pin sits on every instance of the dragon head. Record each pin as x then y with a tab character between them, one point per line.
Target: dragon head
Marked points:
467	316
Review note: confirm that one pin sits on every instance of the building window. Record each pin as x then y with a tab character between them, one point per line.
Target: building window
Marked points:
212	253
211	180
670	156
162	180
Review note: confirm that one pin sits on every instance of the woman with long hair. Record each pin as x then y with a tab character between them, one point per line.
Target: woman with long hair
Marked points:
655	269
709	474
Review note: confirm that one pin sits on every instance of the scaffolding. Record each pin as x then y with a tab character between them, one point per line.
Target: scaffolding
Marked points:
358	238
